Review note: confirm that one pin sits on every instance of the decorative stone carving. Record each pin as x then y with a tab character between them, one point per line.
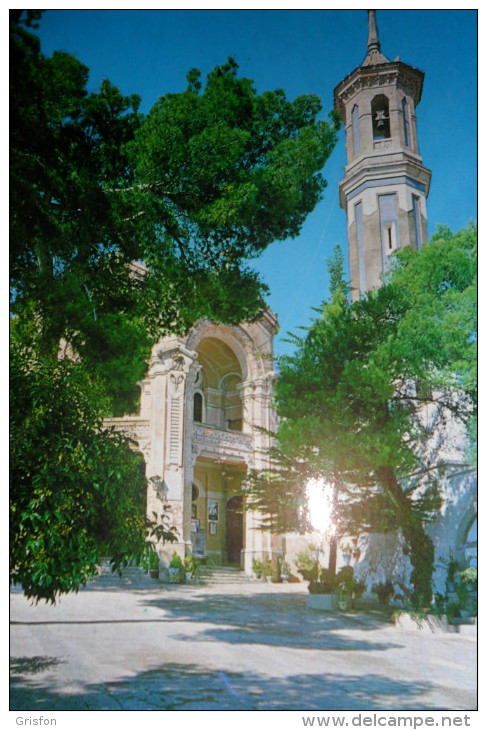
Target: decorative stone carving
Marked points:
178	362
134	428
226	445
383	144
175	382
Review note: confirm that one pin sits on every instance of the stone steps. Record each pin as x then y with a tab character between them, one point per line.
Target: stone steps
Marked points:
132	575
223	575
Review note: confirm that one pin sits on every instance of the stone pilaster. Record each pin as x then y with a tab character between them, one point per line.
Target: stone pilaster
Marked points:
171	368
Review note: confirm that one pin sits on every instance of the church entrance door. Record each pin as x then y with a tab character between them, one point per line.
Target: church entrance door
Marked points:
234	540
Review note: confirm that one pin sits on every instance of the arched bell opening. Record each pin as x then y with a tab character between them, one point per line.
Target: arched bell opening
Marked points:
381	127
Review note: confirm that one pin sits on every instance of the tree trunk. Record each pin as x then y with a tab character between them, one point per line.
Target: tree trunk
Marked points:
332	560
422	551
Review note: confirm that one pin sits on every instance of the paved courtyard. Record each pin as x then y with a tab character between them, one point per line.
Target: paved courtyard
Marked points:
143	646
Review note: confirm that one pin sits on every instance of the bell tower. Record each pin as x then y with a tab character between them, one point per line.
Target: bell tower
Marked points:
385	186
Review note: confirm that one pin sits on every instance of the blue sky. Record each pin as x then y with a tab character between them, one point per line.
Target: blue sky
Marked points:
149	52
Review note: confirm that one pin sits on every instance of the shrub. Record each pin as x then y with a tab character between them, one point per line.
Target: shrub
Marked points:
285	570
266	567
308	566
176	562
192	564
257	567
383	591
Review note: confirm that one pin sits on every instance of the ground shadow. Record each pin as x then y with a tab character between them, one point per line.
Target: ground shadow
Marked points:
186	687
270	619
33	664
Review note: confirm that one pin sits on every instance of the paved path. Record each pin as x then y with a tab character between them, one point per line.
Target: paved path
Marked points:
251	647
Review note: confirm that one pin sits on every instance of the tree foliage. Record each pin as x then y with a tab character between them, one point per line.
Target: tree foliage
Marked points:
353	400
77	492
196	188
126	227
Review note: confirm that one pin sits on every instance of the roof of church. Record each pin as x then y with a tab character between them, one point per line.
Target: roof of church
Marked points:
374	56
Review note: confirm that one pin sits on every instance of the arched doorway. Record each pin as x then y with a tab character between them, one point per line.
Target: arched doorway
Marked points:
234	531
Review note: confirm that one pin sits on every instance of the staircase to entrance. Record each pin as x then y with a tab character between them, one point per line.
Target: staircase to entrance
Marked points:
226	574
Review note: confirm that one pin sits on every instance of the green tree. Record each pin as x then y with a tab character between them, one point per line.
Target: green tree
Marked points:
351	400
124	228
195	189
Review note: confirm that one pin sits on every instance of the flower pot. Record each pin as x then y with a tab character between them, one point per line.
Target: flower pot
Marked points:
345	603
322	601
268	578
173	575
284	578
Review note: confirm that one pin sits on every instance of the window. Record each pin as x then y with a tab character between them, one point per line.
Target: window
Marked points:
355	130
405	117
360	248
388	225
417	221
391	238
198	408
470	546
380	118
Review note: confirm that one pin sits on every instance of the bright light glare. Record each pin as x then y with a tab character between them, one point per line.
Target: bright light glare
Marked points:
320	505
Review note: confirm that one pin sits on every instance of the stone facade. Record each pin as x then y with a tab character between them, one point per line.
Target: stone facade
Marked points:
203	405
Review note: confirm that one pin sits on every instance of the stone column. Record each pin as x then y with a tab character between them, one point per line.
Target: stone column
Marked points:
169	370
258	412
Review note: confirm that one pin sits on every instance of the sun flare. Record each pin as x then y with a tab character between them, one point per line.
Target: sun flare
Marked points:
320	506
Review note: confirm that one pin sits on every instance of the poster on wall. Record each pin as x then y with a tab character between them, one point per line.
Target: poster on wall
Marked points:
195	525
212	526
198	543
213	510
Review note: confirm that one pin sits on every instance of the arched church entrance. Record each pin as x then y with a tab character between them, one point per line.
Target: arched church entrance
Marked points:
234	529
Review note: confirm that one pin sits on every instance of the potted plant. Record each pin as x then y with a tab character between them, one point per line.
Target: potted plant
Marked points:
267	569
285	572
308	566
322	591
192	565
346	552
150	560
345	583
344	597
177	573
257	568
153	564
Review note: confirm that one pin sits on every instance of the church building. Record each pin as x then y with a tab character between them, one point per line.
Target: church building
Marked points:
206	402
205	414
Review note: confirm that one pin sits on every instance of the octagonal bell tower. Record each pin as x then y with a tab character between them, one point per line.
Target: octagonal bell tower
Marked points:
385	186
